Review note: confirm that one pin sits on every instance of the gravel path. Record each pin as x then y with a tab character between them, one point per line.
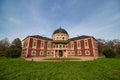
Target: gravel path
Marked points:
38	59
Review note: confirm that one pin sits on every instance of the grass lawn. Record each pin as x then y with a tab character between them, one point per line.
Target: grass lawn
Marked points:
100	69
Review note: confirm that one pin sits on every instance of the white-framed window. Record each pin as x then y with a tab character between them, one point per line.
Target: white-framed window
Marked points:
79	52
69	53
63	45
23	52
34	43
86	44
49	45
25	44
87	52
48	53
56	46
78	45
52	53
72	53
72	45
33	52
42	44
53	45
60	46
41	52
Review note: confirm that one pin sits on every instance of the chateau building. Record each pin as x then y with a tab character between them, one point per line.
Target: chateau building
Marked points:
59	46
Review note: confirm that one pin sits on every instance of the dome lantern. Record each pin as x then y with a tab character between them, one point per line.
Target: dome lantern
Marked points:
60	34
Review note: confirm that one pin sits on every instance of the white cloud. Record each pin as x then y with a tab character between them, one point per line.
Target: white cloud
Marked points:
102	19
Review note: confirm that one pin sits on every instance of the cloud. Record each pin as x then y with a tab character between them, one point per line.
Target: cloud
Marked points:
103	18
41	17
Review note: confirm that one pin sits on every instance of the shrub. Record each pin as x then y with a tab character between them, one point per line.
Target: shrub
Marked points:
13	52
109	53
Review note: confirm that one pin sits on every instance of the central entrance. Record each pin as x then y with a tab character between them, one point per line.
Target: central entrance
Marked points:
60	53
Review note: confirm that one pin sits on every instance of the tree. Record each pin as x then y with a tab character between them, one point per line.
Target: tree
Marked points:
110	44
109	53
17	43
101	46
13	52
4	44
117	46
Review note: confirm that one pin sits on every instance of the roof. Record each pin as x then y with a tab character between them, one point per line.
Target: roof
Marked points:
81	37
71	39
60	30
40	37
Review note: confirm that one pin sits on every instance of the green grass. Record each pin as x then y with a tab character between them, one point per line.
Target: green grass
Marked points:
100	69
62	59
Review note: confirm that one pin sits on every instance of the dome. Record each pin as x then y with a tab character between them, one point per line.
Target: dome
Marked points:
60	30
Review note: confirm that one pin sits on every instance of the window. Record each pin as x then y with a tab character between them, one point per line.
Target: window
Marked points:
60	46
68	52
78	44
63	38
25	44
86	43
72	53
34	43
41	52
72	45
52	53
48	45
42	44
87	52
63	46
79	53
23	52
48	53
33	52
56	46
66	46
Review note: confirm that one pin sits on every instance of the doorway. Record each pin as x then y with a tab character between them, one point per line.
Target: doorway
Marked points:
60	53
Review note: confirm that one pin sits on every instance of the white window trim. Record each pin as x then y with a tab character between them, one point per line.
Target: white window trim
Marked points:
71	53
86	47
80	52
42	47
49	43
34	40
72	43
49	52
32	52
86	52
79	43
42	52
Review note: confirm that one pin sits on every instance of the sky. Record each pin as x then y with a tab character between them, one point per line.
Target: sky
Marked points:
98	18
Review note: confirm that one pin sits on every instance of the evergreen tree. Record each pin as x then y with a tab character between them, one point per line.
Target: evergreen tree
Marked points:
17	43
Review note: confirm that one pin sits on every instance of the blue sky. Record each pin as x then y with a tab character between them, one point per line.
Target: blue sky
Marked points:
98	18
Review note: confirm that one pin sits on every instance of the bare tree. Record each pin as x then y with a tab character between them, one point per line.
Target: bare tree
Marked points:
4	43
101	46
117	46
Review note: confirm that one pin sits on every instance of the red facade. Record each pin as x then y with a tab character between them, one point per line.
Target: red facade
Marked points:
27	51
59	46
